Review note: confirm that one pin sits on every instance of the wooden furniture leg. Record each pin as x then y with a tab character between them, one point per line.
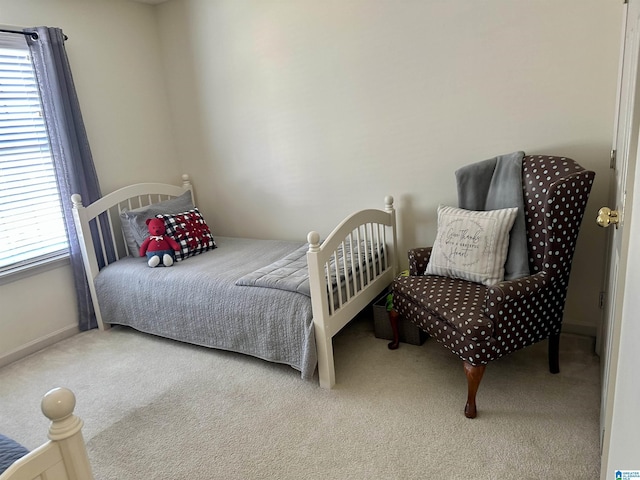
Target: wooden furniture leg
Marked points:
474	376
554	353
393	319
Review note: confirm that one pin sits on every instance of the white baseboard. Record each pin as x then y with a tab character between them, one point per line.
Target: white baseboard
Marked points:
38	344
574	328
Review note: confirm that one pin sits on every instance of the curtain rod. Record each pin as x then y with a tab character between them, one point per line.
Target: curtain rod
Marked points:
33	35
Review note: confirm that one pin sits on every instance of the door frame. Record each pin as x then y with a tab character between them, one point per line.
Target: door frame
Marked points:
620	411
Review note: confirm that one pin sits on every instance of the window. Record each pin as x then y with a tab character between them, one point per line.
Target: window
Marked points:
31	222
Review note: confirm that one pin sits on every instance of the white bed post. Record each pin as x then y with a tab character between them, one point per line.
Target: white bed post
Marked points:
393	255
320	307
186	185
66	431
88	253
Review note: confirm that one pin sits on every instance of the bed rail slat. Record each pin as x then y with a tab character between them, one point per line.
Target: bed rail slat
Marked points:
103	249
327	270
337	273
379	263
359	249
383	248
124	241
113	237
367	251
351	279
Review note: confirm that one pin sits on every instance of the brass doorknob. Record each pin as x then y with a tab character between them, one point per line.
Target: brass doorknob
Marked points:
607	217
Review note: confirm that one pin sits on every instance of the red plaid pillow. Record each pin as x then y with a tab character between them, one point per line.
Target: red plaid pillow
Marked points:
190	231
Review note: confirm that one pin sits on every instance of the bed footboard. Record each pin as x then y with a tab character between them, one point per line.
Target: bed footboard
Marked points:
368	241
65	455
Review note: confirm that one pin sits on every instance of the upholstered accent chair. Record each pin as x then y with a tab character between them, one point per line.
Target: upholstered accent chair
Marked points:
480	323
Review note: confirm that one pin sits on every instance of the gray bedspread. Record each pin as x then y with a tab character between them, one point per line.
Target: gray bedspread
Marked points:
197	301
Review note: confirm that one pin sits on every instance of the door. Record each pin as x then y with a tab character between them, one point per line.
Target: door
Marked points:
627	124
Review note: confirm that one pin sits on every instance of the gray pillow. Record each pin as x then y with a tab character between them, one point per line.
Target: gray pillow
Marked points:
134	225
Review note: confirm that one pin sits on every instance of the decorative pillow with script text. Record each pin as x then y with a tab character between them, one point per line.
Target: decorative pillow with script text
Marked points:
471	245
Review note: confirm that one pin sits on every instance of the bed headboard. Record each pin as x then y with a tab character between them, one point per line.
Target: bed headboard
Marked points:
99	227
106	211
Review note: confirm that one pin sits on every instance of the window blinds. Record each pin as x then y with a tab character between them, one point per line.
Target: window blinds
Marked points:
31	223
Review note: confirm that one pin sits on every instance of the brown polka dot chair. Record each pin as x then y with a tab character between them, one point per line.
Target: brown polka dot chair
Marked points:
482	323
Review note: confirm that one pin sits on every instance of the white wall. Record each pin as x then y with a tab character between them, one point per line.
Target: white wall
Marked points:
117	71
36	311
267	97
291	114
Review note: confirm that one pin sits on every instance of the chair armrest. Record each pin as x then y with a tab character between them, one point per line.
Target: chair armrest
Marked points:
512	290
418	259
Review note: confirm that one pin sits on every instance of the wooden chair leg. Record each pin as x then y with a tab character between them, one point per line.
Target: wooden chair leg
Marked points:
393	319
554	353
474	376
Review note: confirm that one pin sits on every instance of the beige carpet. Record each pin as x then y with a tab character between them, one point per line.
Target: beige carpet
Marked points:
157	409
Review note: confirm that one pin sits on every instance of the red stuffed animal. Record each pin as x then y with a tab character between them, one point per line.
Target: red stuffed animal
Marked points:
158	247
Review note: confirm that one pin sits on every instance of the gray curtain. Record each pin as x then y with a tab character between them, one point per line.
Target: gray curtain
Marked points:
71	154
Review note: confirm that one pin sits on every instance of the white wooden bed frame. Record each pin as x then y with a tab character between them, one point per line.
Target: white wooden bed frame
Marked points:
377	227
64	456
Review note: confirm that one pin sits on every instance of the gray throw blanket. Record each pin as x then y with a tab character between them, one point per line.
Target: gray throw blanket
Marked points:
291	273
494	184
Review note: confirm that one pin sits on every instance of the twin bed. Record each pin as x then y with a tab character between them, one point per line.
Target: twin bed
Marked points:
280	301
